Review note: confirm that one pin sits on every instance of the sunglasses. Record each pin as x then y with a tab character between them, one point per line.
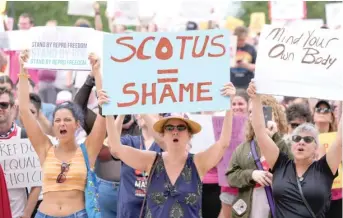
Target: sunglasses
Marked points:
322	110
61	178
4	105
165	114
298	138
294	125
179	128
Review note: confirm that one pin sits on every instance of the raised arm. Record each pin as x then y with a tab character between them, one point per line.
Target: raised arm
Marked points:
39	140
268	147
209	158
150	121
96	137
334	154
135	158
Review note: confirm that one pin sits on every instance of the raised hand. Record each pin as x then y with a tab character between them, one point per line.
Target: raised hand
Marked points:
229	90
102	97
252	90
95	63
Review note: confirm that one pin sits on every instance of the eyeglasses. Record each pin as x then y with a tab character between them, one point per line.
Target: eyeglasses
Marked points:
322	110
61	178
179	128
294	125
4	105
298	138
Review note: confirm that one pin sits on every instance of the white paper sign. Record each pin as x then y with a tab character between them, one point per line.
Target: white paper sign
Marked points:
16	40
81	8
126	12
287	10
60	48
20	163
333	12
300	62
205	138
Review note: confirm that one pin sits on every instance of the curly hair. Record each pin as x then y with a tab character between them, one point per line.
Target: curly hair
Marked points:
278	115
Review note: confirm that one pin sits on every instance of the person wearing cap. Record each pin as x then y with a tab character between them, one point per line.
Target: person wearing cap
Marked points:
191	25
174	187
324	118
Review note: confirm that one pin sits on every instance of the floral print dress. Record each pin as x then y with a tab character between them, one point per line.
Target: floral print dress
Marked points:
181	200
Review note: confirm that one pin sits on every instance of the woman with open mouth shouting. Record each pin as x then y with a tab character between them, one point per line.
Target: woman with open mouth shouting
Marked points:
301	187
63	166
174	184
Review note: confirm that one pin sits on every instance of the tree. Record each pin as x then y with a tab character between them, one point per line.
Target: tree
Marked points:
315	10
42	11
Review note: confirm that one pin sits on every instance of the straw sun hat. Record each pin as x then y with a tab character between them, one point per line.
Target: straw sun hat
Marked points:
194	126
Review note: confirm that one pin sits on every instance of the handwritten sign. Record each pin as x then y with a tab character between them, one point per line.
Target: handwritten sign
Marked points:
237	137
60	48
166	72
20	163
292	59
333	12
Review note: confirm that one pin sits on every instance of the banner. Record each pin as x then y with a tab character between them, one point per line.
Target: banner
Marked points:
20	163
166	72
292	59
60	48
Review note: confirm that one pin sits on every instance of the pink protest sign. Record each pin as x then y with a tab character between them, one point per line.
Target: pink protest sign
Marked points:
237	138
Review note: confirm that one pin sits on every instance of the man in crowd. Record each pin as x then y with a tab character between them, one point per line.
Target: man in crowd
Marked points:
22	205
246	54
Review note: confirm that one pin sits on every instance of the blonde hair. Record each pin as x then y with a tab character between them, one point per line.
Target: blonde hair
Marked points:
278	114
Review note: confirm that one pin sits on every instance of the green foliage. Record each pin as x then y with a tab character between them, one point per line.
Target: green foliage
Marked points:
315	10
42	11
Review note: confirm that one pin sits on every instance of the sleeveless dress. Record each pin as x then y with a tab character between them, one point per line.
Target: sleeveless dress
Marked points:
181	200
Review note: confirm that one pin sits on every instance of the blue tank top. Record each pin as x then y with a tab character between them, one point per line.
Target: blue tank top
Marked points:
132	182
181	200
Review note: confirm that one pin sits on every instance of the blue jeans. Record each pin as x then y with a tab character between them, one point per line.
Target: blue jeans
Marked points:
108	198
79	214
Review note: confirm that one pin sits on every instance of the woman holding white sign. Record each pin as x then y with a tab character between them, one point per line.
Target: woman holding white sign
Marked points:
63	166
174	186
301	187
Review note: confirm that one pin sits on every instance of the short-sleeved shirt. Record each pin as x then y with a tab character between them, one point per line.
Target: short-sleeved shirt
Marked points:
241	77
133	182
316	186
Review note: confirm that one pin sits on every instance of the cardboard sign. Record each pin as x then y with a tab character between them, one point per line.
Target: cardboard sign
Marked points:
81	8
292	59
166	72
257	21
20	163
60	48
326	139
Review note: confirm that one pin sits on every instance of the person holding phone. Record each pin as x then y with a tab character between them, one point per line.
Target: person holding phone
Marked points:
243	172
301	187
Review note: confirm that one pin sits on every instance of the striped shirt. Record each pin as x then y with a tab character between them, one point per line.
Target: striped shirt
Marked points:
75	176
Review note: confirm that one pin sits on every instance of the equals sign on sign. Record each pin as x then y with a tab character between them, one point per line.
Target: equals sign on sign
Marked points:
170	79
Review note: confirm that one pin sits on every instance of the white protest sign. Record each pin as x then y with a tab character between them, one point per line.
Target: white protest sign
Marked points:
16	40
126	12
205	138
60	48
81	7
300	62
287	10
20	163
333	12
196	10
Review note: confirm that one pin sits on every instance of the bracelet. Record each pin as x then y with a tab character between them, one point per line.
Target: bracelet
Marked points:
25	75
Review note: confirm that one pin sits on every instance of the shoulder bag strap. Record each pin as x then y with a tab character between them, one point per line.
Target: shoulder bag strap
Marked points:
153	167
304	199
85	155
267	189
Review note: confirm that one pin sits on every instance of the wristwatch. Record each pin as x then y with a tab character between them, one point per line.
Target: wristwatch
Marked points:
90	81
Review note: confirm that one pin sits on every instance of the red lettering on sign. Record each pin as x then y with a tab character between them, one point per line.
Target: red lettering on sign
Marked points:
201	90
140	54
133	49
133	92
215	44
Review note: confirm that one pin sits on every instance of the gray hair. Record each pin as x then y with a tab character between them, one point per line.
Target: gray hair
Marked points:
307	127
